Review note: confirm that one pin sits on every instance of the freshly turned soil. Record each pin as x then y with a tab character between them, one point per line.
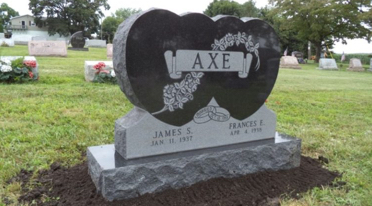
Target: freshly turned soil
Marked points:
73	186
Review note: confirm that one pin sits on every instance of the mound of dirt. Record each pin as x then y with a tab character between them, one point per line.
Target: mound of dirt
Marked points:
73	186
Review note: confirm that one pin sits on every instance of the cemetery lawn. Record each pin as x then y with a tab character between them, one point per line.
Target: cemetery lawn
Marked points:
58	117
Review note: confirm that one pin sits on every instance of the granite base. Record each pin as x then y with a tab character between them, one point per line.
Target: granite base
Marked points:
356	69
78	49
116	178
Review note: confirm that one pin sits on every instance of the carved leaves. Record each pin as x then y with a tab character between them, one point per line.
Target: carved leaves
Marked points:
177	94
241	38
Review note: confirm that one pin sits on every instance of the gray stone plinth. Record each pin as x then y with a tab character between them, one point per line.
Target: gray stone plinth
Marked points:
117	178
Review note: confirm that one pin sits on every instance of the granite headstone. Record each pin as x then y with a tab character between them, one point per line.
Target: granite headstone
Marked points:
327	64
47	48
77	42
355	65
299	56
109	51
198	86
289	62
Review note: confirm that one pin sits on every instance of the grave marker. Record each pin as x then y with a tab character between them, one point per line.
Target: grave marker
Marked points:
96	43
289	62
47	48
78	42
370	65
109	51
327	64
355	65
199	86
90	72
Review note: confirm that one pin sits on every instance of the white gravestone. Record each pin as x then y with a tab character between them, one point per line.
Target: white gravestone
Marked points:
47	48
355	65
290	62
96	43
2	36
90	72
9	42
327	64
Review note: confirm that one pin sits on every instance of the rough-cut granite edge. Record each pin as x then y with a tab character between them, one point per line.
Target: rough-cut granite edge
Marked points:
138	179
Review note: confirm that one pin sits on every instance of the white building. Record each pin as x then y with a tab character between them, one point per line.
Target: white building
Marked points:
23	28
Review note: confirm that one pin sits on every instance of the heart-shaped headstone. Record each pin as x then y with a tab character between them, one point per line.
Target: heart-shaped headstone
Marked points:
174	66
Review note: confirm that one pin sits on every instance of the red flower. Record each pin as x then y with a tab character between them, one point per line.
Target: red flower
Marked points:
30	63
31	74
99	67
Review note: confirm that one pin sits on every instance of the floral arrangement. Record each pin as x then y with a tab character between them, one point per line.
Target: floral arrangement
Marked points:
103	75
18	70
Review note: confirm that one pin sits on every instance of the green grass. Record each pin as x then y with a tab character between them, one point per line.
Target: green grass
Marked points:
58	117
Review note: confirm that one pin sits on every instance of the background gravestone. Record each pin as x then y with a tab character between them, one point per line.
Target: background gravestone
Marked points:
109	51
47	48
96	43
327	64
77	42
289	62
198	86
299	56
355	65
370	65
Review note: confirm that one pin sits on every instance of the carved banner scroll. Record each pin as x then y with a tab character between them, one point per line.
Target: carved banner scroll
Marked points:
207	61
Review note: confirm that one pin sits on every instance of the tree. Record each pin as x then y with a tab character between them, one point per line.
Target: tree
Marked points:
109	26
123	13
249	9
6	13
225	7
111	23
321	21
66	17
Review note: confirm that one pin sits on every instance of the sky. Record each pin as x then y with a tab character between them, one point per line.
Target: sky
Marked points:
179	7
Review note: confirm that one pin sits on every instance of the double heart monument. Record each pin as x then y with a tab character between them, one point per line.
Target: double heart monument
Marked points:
198	86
